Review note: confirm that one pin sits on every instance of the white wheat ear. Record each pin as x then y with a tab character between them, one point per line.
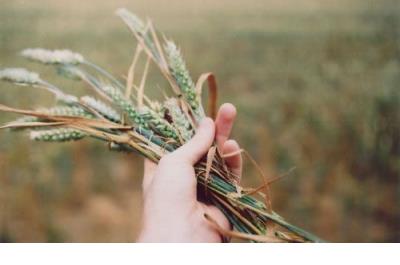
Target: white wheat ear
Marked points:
20	76
52	56
133	22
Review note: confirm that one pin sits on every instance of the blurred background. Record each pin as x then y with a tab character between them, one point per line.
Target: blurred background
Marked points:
316	84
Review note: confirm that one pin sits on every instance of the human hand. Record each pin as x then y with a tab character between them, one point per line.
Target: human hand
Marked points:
172	212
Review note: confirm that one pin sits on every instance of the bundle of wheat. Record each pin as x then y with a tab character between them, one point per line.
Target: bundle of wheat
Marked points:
129	121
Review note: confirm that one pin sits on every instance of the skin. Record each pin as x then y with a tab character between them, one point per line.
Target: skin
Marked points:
172	212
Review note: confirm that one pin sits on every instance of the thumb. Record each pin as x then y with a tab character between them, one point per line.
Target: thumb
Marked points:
198	146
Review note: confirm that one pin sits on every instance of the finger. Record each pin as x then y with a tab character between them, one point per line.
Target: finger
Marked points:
224	123
198	146
234	162
148	173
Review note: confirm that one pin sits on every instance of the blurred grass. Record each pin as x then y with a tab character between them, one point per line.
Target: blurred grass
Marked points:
316	84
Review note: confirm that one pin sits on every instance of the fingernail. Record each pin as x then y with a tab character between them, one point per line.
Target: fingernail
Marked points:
230	145
230	107
231	142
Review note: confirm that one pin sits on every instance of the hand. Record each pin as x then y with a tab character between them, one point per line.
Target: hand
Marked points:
171	210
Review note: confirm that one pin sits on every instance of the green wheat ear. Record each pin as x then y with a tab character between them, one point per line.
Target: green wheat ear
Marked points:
57	135
181	74
125	104
178	118
158	123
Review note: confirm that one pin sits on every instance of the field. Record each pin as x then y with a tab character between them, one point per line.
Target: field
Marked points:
316	84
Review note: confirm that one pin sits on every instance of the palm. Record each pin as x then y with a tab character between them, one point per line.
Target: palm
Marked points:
170	190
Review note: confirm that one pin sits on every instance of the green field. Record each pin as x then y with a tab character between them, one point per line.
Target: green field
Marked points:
316	84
